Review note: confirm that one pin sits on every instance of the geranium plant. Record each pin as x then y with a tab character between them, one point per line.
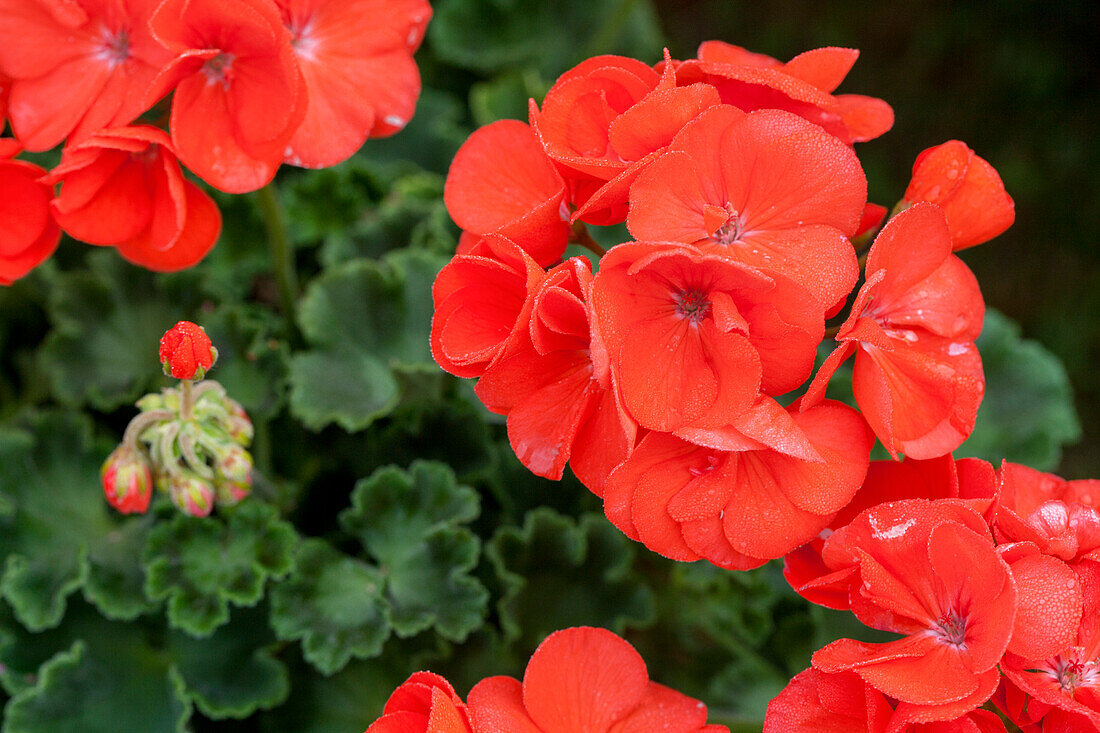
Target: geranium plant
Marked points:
600	381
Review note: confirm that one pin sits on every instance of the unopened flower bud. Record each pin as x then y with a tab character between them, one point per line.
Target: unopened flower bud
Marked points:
191	493
230	493
235	465
127	480
186	351
238	425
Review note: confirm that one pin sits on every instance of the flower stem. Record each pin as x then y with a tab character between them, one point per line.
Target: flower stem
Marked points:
581	236
282	256
187	399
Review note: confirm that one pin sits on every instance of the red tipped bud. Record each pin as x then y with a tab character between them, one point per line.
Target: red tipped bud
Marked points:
191	494
127	481
186	351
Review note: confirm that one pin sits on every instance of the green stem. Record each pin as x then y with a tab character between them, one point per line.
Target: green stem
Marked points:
581	236
187	399
282	255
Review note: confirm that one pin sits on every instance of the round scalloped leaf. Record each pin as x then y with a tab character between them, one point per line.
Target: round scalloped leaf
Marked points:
362	319
1027	414
333	604
233	673
108	321
431	586
59	531
409	522
202	564
558	574
80	691
393	509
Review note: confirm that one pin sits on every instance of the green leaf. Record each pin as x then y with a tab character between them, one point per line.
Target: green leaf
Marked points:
489	35
505	96
108	321
201	565
409	522
81	691
412	213
116	579
1027	414
333	604
347	701
58	530
559	573
363	319
252	363
233	673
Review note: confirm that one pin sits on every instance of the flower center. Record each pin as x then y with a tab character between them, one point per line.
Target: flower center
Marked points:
692	305
951	629
219	70
729	232
697	471
301	38
1072	672
116	47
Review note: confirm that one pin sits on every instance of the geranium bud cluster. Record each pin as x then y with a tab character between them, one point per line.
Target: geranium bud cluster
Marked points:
579	679
676	378
253	84
190	442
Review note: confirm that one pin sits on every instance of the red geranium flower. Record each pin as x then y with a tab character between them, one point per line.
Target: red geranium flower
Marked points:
1070	679
28	234
815	702
968	190
1058	516
239	93
545	382
604	120
939	478
76	66
360	78
803	86
767	188
928	570
744	493
918	377
124	187
424	703
584	679
501	181
692	339
480	299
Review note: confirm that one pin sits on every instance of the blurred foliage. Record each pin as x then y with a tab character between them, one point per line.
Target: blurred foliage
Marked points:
392	528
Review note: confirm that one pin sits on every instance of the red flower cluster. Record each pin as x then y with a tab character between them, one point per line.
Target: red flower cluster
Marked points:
254	84
664	378
580	679
992	579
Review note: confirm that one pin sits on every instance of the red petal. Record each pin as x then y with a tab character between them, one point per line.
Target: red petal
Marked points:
192	239
663	710
825	68
865	117
583	679
1048	609
652	123
496	706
